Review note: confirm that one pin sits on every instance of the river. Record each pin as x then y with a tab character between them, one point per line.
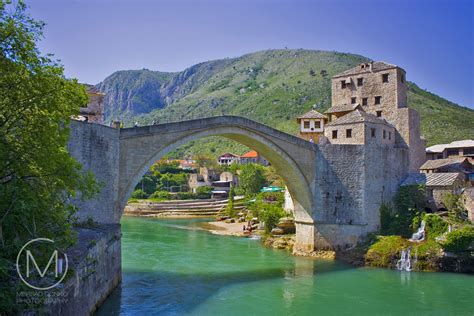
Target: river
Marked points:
171	267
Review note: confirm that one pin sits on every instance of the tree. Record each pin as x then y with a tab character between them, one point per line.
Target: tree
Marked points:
251	178
38	177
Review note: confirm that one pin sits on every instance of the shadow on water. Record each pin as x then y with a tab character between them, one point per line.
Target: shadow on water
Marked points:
174	293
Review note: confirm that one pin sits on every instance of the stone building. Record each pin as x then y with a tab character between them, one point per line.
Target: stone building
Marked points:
380	89
252	157
227	159
437	186
204	177
361	128
457	164
311	125
460	148
94	111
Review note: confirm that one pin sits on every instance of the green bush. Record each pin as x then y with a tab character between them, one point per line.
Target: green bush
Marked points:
271	214
455	207
434	225
273	197
385	250
185	196
161	195
204	192
400	219
459	240
252	178
139	194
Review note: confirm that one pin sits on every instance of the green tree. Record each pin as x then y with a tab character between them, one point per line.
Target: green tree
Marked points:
38	177
252	178
455	206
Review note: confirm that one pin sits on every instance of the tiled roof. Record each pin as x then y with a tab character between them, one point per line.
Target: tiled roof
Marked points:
312	114
376	66
358	116
432	179
250	154
438	163
456	144
227	155
342	108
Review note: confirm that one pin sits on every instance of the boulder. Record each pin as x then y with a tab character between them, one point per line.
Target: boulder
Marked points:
222	217
277	231
241	219
230	220
287	225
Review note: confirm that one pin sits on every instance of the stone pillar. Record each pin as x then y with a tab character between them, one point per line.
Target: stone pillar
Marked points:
304	236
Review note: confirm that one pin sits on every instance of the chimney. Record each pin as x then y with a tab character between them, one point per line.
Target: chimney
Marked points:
370	65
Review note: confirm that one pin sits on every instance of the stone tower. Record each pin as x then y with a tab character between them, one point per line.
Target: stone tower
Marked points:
94	111
380	89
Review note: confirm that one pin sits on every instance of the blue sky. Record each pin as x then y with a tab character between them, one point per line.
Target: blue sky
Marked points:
432	40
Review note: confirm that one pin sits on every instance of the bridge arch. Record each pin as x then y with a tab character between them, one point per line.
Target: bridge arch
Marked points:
140	147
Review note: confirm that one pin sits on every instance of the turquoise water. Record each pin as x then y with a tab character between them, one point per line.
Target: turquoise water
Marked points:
170	267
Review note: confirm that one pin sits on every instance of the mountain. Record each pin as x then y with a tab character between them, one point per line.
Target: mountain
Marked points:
272	87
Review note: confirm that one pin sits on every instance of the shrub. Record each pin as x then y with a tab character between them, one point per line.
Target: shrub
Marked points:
271	214
455	207
459	240
252	178
385	251
434	225
204	190
185	195
400	219
273	197
139	194
161	195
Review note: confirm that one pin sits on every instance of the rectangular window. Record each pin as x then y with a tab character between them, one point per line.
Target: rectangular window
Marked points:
469	151
379	113
364	101
348	133
360	81
334	134
306	124
343	84
317	124
372	132
389	135
384	77
384	134
353	100
402	78
378	99
453	152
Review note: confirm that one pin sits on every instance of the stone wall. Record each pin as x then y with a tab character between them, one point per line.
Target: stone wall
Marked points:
393	93
357	134
96	147
94	271
352	182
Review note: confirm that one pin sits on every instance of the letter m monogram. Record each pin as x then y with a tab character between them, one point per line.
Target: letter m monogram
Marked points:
42	273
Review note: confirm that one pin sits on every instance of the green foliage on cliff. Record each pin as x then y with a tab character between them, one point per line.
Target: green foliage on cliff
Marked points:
271	87
459	240
37	175
385	251
409	202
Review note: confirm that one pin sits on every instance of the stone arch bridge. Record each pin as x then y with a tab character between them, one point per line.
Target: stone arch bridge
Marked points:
336	189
